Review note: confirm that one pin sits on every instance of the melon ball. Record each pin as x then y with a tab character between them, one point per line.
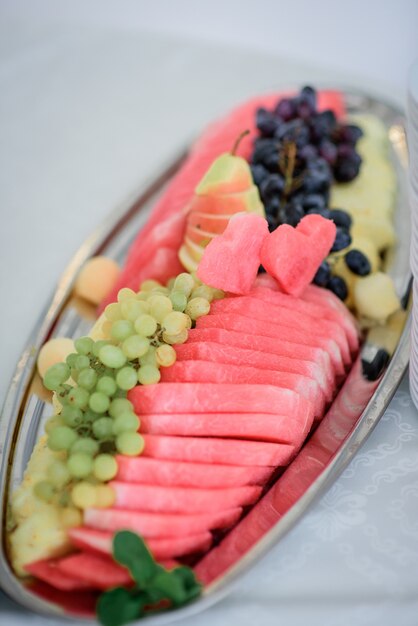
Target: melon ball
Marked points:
96	279
375	297
52	352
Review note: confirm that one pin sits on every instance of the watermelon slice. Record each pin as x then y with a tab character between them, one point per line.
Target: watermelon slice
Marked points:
80	604
245	324
211	372
96	570
176	473
284	316
231	260
151	525
253	426
210	397
211	450
157	499
218	353
293	255
219	137
161	548
48	571
265	344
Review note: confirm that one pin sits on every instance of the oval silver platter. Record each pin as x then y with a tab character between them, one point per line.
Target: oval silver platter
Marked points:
352	416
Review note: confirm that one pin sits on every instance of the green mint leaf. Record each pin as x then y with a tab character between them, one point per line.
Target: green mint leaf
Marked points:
119	606
130	550
171	586
187	576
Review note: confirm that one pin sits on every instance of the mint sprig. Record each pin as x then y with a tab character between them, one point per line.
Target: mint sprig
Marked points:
155	588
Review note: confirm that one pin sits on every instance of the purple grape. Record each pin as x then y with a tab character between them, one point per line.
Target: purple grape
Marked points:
271	186
272	206
340	218
295	131
317	211
259	173
308	152
322	275
328	151
358	263
313	201
271	222
349	133
323	124
286	109
265	122
266	153
342	240
346	170
291	214
338	286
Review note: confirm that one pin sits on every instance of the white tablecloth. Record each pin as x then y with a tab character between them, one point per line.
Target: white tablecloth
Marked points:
85	116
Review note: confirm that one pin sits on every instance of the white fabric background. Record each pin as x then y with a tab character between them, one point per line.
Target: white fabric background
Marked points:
87	112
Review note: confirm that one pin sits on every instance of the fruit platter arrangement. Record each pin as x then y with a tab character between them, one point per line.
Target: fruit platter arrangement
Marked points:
209	363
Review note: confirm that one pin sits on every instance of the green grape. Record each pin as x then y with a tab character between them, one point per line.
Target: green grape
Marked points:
61	438
184	283
84	345
202	291
99	402
78	397
98	345
103	428
135	346
160	290
90	416
79	464
86	445
70	360
130	444
160	307
119	406
170	283
217	294
150	284
81	362
58	474
112	356
113	312
175	322
178	300
149	358
105	467
44	490
53	422
121	329
126	378
126	422
130	309
176	339
56	375
107	385
87	379
145	325
126	294
196	307
83	495
148	375
166	355
72	416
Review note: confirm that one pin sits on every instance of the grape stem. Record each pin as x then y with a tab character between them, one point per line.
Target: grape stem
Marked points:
238	141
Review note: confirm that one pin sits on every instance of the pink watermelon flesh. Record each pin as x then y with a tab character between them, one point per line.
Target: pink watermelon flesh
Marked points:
98	571
152	525
214	398
80	604
230	203
161	548
245	324
284	316
254	426
219	137
176	473
48	571
159	499
218	353
223	451
316	310
211	372
293	255
264	344
231	260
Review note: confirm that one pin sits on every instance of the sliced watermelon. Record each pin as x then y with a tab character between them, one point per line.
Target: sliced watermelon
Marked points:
152	525
265	344
253	426
218	353
80	604
237	322
211	397
219	137
48	571
223	451
284	316
231	260
213	372
176	473
157	499
161	548
96	570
